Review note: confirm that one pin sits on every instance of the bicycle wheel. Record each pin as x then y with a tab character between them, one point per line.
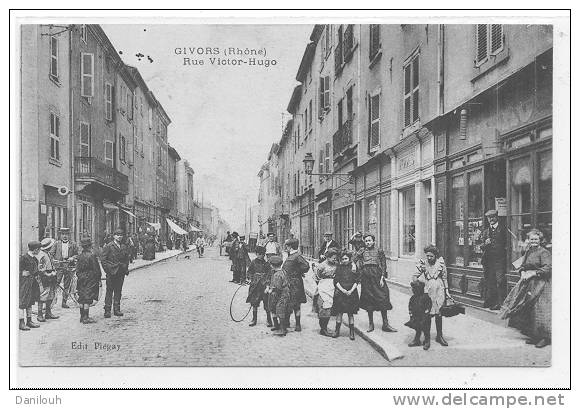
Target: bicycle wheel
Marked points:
239	309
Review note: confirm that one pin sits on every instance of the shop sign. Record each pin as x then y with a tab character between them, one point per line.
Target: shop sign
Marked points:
501	206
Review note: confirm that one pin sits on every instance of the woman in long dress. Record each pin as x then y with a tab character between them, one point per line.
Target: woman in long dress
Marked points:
433	273
529	304
324	293
374	290
88	274
346	293
149	248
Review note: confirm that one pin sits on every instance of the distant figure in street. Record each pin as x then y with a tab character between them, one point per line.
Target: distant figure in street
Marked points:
200	244
273	248
29	291
169	243
259	274
494	261
88	274
184	246
375	294
434	274
47	276
115	262
295	267
64	250
529	304
228	242
279	294
326	245
419	311
149	247
346	298
324	293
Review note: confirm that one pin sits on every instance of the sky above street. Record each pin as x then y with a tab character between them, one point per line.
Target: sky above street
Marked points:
224	117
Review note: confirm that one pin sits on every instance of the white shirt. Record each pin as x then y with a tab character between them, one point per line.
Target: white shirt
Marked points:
65	249
271	247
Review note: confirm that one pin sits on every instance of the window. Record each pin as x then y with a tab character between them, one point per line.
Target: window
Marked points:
321	161
141	105
129	104
87	75
327	158
122	148
374	123
374	40
489	41
310	115
56	217
85	140
324	95
85	219
348	39
326	41
108	102
54	57
338	51
150	118
306	123
54	136
411	98
109	153
84	33
408	222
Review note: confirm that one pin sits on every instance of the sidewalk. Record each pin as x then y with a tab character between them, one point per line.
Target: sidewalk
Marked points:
472	341
161	256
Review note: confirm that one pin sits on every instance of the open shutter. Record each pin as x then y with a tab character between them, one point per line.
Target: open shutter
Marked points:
327	92
375	121
321	161
496	38
327	158
481	43
87	75
408	95
415	115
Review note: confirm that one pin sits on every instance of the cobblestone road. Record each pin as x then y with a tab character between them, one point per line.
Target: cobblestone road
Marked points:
177	314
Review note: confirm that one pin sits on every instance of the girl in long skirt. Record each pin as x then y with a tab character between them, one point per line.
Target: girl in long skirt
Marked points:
345	293
88	274
374	290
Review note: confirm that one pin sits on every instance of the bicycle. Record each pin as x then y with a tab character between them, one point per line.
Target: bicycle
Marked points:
66	267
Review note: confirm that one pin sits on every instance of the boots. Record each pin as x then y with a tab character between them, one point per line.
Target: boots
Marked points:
324	326
336	331
276	325
282	331
31	324
427	333
386	326
439	325
417	340
23	326
117	310
298	328
82	314
86	319
351	333
254	317
268	319
40	317
63	305
48	313
371	322
108	312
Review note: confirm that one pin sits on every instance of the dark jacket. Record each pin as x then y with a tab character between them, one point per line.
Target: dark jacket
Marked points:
115	259
322	248
495	253
56	251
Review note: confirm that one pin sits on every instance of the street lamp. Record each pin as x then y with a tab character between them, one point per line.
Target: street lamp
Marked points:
309	166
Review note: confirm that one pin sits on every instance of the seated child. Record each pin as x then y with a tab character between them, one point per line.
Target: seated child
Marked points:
419	308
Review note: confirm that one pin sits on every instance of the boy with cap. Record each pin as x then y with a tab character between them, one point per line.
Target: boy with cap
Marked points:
259	274
296	267
88	274
29	291
64	250
115	260
46	280
279	294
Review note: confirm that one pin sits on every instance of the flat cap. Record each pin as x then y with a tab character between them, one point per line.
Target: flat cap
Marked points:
276	261
491	212
33	245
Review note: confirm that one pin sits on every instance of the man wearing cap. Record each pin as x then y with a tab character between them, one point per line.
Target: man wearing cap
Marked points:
494	257
327	244
273	248
241	259
115	260
64	250
29	291
296	267
46	280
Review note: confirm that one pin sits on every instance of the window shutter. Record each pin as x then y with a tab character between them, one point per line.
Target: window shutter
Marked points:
415	105
87	74
375	100
374	40
54	56
327	158
321	98
327	91
481	43
321	161
496	38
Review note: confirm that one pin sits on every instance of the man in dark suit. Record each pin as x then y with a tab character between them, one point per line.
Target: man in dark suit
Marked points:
296	267
64	250
115	260
325	245
494	257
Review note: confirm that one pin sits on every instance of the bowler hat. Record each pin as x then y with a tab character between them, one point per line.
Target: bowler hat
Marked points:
64	230
46	243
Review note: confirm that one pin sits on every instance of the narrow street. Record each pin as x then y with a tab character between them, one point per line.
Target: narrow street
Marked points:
177	314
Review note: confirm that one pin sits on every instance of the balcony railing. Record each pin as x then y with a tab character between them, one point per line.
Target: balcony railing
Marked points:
342	138
92	169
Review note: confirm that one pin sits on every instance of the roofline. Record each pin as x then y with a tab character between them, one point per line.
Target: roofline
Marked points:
294	99
307	57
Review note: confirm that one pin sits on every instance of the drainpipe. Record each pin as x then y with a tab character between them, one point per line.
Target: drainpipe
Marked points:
71	132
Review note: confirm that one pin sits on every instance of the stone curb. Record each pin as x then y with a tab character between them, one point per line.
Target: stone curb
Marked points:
158	261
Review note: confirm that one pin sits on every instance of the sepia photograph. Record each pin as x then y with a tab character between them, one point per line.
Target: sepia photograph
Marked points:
320	194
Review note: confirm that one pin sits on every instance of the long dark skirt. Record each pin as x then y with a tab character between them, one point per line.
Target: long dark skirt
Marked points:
343	303
297	293
29	292
88	286
374	297
149	251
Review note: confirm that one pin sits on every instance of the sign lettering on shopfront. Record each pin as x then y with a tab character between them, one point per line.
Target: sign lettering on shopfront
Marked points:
407	161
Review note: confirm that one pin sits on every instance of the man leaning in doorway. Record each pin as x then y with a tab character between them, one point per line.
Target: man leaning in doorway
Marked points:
273	248
64	250
494	246
115	260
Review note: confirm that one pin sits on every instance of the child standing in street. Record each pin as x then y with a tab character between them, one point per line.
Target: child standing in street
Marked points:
346	293
259	274
419	307
279	294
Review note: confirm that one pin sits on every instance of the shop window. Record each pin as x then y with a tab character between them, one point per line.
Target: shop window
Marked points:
457	221
408	222
545	195
475	218
520	203
386	222
56	217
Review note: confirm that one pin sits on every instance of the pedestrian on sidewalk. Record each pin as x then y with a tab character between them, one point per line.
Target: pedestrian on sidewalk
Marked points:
88	273
47	281
29	291
149	247
322	300
64	250
493	259
296	267
346	299
433	273
279	294
259	274
419	309
115	262
375	294
529	304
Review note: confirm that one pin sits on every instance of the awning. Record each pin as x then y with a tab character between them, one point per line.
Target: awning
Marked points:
110	206
129	213
156	226
192	228
175	227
